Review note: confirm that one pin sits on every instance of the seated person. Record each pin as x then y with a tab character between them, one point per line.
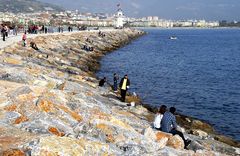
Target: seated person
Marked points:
169	125
33	45
102	82
158	117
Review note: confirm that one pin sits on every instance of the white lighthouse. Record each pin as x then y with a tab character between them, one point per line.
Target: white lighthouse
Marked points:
119	18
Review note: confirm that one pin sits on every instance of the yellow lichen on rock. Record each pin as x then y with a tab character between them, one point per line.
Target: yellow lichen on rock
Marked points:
10	108
176	142
54	145
121	124
75	115
26	97
160	135
13	152
105	128
46	106
55	131
21	119
51	85
89	94
97	114
12	61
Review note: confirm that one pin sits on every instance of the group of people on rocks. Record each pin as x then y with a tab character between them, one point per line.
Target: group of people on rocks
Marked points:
60	29
124	85
35	29
4	31
88	48
8	30
101	34
70	28
14	30
165	121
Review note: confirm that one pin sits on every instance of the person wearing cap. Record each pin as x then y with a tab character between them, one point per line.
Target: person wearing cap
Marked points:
124	86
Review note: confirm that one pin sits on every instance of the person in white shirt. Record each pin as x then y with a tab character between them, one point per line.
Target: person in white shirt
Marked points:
158	117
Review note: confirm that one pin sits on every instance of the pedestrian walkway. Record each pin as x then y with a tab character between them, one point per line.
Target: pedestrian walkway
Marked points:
14	39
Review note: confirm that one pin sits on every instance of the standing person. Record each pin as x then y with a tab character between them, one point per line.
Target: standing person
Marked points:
3	31
169	125
24	38
43	29
6	31
15	30
115	82
159	116
124	86
59	29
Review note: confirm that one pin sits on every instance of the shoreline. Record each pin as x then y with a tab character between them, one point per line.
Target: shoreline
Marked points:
58	82
184	122
189	28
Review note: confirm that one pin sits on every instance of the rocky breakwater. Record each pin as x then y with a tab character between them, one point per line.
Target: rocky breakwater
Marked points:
50	104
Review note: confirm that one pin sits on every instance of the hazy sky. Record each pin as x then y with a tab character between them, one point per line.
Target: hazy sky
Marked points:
168	9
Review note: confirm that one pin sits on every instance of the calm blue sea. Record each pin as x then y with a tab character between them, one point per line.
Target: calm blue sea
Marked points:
199	73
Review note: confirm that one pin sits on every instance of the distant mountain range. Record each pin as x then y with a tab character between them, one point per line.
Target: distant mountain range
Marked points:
172	9
29	6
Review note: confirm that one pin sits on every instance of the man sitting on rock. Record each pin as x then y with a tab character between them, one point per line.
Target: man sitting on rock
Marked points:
169	125
34	45
102	82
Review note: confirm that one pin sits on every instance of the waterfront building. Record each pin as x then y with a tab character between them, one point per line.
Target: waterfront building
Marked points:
155	18
119	18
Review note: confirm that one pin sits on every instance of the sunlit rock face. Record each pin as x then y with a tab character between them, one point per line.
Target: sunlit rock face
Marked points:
50	104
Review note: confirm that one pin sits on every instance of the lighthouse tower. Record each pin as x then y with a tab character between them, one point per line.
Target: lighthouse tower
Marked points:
119	18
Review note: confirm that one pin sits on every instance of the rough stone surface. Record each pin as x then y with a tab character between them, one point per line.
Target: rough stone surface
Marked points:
176	142
199	133
161	135
149	133
50	104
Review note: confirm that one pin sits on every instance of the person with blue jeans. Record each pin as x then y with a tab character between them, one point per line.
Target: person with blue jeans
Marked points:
115	82
169	125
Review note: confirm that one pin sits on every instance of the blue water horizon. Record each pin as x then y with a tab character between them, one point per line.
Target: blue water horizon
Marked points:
199	73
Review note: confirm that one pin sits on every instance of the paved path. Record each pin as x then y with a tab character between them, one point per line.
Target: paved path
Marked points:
14	39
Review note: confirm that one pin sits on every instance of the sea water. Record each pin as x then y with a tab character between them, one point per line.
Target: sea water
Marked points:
198	73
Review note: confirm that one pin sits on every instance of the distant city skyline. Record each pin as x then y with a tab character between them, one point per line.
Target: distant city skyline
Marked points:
174	9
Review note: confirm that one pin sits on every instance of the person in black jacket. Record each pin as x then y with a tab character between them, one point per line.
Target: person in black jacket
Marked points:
102	82
124	86
3	31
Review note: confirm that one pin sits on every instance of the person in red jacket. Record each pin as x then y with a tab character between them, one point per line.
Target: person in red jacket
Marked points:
24	38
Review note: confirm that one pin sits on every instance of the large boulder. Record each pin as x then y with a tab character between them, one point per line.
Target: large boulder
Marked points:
196	124
162	135
12	152
176	142
54	146
149	134
199	133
